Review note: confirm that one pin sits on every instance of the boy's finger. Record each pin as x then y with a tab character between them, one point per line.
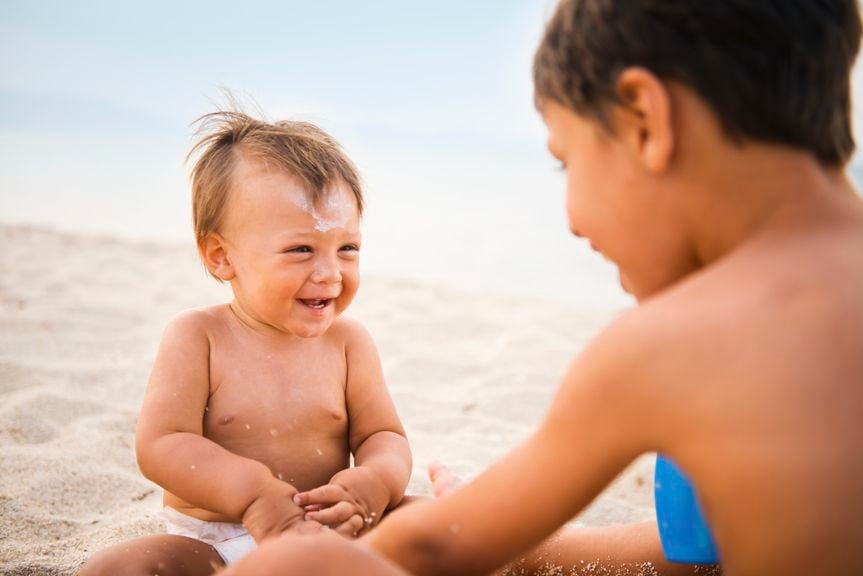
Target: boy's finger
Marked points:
326	495
334	515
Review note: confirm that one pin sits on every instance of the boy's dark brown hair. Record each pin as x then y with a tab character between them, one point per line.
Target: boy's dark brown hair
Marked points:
771	70
305	151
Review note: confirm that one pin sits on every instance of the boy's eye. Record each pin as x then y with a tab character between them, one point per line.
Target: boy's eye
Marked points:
349	248
299	250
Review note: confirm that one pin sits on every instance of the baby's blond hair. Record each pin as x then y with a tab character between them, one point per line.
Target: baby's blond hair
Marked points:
302	149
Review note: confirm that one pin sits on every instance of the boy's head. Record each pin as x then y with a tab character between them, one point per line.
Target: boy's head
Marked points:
654	106
771	70
276	212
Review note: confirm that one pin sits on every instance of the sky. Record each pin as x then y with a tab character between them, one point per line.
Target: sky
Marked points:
432	100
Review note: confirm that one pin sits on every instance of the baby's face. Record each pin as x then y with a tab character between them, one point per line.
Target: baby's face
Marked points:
296	264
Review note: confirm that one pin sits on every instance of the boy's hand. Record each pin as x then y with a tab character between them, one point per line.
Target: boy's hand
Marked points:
353	501
274	512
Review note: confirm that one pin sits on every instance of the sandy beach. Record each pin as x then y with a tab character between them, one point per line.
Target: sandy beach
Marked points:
81	318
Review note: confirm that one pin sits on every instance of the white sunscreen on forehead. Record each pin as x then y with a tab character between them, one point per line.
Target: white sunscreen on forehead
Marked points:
335	211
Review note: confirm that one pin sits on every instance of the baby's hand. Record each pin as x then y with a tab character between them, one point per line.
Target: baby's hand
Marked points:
274	512
351	503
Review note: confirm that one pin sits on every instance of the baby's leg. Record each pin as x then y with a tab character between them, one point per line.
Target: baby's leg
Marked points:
443	482
163	554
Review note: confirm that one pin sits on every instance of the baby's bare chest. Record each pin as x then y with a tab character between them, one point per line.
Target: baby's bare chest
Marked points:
265	397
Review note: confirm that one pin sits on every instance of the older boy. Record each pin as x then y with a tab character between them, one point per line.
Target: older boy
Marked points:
253	401
704	144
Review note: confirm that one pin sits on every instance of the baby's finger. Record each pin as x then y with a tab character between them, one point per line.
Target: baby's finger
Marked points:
334	515
352	527
313	507
325	495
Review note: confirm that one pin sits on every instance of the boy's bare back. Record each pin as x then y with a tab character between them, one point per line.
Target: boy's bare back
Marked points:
759	396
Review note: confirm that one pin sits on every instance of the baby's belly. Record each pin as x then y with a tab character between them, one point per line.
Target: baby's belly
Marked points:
304	462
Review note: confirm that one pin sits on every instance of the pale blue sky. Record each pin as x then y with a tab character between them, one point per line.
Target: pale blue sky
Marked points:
432	99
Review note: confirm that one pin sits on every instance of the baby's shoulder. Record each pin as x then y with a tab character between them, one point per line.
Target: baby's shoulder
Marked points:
197	322
350	334
348	330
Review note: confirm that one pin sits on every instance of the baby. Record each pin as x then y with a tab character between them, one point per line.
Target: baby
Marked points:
255	407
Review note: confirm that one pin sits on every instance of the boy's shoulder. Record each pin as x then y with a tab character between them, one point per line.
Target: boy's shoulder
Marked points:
724	332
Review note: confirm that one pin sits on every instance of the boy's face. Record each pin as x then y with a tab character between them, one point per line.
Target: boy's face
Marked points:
295	265
612	202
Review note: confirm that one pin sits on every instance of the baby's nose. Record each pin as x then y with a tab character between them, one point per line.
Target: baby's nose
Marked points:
326	272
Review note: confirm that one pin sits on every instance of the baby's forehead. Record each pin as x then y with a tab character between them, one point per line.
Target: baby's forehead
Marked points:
251	172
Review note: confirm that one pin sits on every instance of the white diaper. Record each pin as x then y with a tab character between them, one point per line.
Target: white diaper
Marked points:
231	541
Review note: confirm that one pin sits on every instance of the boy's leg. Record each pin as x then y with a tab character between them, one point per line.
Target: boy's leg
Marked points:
322	554
620	549
163	554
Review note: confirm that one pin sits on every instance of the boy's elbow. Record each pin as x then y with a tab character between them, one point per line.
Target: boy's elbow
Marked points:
420	547
433	553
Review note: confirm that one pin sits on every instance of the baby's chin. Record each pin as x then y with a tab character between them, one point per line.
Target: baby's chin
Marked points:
304	331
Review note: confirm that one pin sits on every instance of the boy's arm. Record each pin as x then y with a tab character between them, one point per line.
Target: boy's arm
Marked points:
382	456
600	419
173	452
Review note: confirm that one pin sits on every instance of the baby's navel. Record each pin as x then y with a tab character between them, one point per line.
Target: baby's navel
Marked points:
226	419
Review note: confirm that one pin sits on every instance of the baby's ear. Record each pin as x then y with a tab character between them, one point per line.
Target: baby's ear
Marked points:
214	253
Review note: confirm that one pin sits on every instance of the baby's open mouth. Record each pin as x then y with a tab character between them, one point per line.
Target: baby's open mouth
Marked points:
316	303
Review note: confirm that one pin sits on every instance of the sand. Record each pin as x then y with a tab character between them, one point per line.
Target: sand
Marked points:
81	317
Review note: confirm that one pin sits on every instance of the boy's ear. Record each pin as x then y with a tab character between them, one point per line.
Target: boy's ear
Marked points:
214	253
644	120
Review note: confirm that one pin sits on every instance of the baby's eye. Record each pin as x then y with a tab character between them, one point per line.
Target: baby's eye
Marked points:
299	250
349	248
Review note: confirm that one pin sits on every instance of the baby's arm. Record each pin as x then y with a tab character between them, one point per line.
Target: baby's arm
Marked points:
173	452
358	496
